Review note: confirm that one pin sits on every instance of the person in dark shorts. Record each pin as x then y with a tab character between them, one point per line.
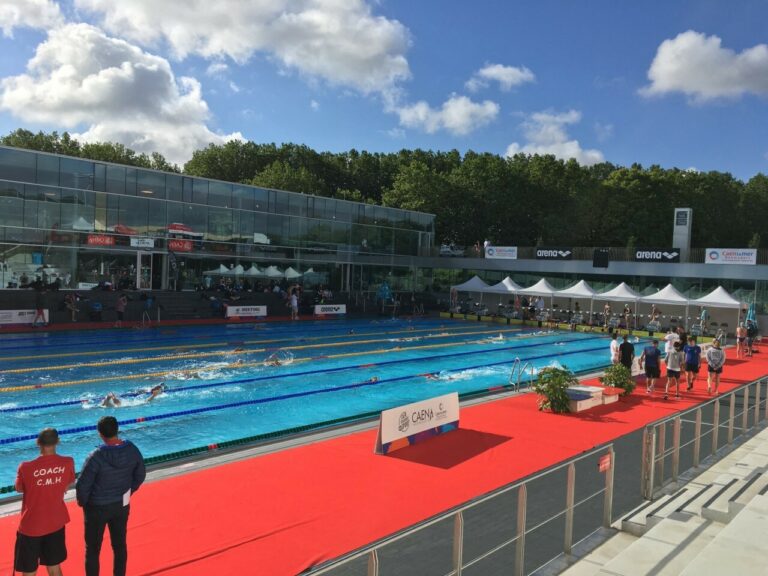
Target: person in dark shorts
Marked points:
626	353
110	475
43	481
715	357
751	335
675	361
651	360
692	361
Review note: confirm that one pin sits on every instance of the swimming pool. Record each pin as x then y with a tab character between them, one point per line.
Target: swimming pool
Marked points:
221	392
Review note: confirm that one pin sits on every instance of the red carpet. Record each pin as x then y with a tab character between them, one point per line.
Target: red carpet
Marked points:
281	513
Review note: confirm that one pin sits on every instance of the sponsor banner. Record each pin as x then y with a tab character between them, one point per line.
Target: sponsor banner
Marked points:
657	255
180	245
604	463
553	253
20	316
246	311
87	285
506	252
142	242
731	256
327	309
100	240
412	423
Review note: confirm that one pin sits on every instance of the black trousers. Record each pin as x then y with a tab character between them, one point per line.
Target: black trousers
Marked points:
97	518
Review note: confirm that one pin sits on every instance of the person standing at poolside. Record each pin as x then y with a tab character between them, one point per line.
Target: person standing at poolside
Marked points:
692	361
39	307
615	348
606	314
627	353
294	302
110	475
120	304
715	357
40	539
650	359
741	337
751	335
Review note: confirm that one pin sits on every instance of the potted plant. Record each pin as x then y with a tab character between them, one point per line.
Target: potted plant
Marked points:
619	376
551	385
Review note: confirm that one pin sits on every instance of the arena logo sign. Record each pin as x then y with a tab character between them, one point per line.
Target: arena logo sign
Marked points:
554	253
657	255
327	309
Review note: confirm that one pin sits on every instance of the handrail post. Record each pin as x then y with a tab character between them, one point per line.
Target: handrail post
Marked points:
715	424
697	439
675	448
649	462
758	384
373	563
608	501
522	500
660	451
458	543
731	417
745	411
766	398
569	496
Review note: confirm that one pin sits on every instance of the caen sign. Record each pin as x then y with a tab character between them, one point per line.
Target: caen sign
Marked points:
180	245
100	240
657	255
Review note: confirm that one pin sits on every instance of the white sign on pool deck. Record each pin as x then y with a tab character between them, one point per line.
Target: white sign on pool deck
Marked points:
405	425
246	311
326	309
20	316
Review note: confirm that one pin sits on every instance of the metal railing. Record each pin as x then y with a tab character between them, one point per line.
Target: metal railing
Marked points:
680	438
372	556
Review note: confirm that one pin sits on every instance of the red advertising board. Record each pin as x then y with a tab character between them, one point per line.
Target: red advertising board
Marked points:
100	240
180	245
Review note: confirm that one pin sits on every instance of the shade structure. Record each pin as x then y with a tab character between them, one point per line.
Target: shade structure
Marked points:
82	225
621	293
506	286
220	271
474	284
273	272
541	288
237	270
254	272
292	274
579	290
718	298
667	295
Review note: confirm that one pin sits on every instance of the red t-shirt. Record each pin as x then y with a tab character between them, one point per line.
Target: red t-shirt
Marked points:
43	482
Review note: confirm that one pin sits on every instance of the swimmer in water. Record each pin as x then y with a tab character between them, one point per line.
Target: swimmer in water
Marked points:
111	401
272	362
156	391
373	379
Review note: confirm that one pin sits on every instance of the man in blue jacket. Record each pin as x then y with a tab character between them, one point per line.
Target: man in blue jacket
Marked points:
111	473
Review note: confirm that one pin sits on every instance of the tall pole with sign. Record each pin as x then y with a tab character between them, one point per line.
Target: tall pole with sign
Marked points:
681	232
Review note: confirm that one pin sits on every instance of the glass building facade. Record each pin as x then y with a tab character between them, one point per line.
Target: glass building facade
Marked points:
80	222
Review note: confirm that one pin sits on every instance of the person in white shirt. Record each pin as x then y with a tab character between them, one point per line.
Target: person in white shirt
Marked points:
615	348
669	341
715	357
674	363
294	305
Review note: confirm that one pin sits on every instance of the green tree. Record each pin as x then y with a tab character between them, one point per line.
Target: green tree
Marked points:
282	176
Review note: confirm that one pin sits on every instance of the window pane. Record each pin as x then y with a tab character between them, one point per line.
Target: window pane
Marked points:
297	205
48	211
173	187
116	179
100	177
76	174
11	211
261	199
130	181
281	205
200	191
47	170
156	223
30	213
220	194
17	165
219	224
187	189
133	213
242	197
150	184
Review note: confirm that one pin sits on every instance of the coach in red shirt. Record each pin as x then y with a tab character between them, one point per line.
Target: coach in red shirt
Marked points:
43	481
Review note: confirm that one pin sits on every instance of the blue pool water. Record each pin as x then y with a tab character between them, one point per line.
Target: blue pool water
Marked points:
219	388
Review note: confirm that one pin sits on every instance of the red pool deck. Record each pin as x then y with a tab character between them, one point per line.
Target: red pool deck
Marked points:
281	513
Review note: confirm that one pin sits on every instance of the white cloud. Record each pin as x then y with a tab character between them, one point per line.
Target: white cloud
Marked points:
28	14
458	115
79	77
396	133
216	69
506	76
340	41
314	104
698	65
603	131
234	87
546	134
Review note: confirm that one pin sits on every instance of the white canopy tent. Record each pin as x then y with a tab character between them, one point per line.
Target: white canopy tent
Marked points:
668	295
220	271
237	270
719	298
541	288
273	272
292	274
474	284
506	286
579	291
621	293
254	272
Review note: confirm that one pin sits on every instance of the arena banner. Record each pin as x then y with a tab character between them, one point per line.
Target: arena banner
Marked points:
505	252
731	256
246	311
330	309
657	255
412	423
20	316
553	253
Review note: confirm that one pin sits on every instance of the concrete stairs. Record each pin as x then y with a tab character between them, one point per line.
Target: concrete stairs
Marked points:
715	524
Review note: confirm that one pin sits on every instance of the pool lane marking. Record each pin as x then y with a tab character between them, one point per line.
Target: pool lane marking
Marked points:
171	357
284	375
365	383
249	342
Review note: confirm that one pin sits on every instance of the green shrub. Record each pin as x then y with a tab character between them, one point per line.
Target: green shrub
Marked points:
619	376
551	385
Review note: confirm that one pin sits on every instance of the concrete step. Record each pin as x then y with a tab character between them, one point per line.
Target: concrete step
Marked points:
643	518
739	548
665	549
591	564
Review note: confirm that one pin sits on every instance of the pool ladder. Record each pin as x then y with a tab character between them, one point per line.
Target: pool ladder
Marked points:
518	370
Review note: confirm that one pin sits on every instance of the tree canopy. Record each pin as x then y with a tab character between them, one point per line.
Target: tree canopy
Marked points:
523	200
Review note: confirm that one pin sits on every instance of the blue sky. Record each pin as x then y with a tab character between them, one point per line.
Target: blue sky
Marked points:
680	84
